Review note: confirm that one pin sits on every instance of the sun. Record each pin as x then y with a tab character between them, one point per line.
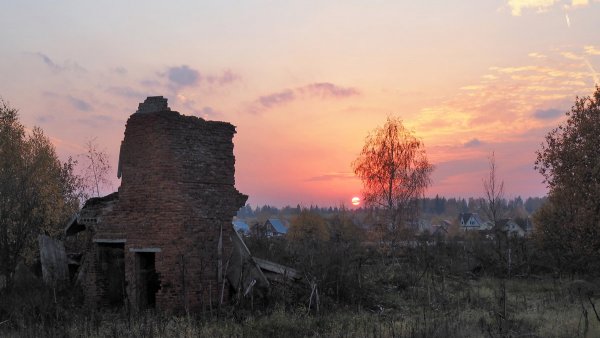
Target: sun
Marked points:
355	200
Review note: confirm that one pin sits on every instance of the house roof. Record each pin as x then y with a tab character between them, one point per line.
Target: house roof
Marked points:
440	229
73	227
505	221
89	213
95	201
240	225
278	225
464	217
243	268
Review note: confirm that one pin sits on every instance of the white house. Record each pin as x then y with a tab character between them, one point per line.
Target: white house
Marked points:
471	221
510	226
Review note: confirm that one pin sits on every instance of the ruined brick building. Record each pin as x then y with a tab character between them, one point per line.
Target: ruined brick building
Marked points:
164	239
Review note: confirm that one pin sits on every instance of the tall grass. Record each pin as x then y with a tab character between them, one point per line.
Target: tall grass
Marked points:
465	308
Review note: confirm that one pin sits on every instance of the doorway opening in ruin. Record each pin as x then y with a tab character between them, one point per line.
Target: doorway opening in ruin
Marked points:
147	280
112	278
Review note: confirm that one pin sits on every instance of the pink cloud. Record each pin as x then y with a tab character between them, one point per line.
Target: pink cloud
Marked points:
276	99
326	89
323	90
473	143
56	67
332	176
226	77
183	76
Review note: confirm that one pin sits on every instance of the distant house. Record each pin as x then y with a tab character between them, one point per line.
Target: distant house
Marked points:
421	225
441	229
528	227
275	227
511	227
487	225
471	221
241	227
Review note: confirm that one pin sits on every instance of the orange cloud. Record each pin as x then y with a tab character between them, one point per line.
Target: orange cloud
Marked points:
571	56
591	50
540	6
579	3
537	55
517	6
508	101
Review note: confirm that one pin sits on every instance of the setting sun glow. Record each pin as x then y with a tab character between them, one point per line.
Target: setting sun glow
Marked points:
355	201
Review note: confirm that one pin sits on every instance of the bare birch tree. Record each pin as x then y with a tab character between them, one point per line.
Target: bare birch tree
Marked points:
97	168
493	189
494	192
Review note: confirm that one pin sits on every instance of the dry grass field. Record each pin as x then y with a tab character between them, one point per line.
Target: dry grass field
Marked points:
464	308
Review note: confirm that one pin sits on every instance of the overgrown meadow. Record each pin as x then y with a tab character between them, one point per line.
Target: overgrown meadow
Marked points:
428	290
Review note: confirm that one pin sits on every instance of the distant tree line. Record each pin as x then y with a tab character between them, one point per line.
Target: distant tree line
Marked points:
428	206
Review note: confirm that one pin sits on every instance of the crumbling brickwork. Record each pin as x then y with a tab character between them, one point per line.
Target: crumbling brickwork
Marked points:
174	210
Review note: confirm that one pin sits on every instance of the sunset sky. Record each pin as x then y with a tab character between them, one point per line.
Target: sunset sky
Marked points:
306	81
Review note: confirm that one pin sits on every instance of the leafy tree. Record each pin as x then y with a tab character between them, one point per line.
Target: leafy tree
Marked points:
308	227
395	172
307	236
569	223
37	192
